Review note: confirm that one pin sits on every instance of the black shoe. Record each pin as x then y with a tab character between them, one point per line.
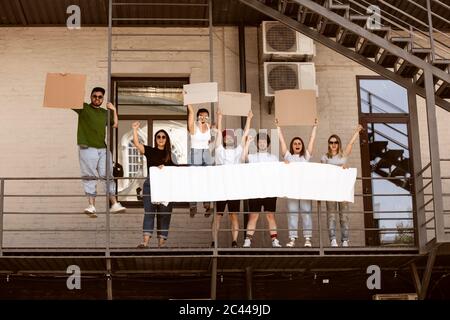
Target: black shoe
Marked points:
212	244
208	212
192	211
234	244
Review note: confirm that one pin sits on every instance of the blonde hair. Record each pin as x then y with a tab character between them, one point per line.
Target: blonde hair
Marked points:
340	153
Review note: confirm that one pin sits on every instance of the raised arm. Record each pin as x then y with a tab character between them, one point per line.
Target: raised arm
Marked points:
244	156
111	107
247	128
282	141
348	148
219	128
136	142
312	139
191	120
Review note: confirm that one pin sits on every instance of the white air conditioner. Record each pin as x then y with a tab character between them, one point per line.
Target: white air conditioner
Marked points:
289	75
282	41
395	296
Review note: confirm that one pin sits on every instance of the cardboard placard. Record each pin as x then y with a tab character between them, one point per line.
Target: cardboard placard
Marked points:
200	93
295	107
235	103
64	90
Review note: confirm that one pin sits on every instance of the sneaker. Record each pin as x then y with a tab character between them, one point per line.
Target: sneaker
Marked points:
276	243
308	243
142	246
192	211
117	208
291	243
90	211
345	243
334	243
208	212
247	243
234	244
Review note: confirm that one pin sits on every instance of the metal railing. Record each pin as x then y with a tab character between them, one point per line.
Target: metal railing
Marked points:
104	233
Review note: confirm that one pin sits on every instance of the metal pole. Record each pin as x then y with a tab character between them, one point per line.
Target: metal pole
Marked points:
214	279
434	157
430	30
2	190
427	273
108	280
211	52
108	135
249	282
319	222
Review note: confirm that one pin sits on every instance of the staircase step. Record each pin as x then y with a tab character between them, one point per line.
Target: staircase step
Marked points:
444	91
407	69
328	28
348	39
370	50
402	183
387	59
401	169
394	155
377	149
443	64
401	42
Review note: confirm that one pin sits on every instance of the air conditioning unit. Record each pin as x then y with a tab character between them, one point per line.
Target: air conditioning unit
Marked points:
289	75
395	296
284	42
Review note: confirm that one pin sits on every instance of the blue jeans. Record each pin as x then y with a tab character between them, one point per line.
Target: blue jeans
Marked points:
332	209
200	157
303	206
93	165
152	210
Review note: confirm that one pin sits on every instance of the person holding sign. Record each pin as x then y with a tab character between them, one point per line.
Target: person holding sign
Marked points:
228	152
256	205
298	153
338	156
200	133
92	121
158	156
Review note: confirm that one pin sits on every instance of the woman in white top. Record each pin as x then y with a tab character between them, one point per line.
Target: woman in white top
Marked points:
338	156
228	152
200	133
255	205
298	153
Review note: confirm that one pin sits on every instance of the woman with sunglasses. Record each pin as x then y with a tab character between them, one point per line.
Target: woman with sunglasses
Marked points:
158	156
228	152
338	156
298	153
200	132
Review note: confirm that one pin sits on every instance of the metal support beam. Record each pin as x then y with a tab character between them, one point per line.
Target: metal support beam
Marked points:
416	278
214	278
2	191
319	222
434	157
430	31
313	34
419	199
249	283
21	12
108	135
427	273
211	52
108	280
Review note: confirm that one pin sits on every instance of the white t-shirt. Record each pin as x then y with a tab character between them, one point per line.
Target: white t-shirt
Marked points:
200	140
297	158
229	155
262	157
337	160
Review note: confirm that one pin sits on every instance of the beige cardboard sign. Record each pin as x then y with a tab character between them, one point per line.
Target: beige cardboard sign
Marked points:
295	107
235	103
65	90
200	93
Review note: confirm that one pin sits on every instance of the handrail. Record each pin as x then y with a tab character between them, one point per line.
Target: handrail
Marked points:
382	99
390	139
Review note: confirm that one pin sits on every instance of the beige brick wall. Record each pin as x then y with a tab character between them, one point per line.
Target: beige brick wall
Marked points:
42	142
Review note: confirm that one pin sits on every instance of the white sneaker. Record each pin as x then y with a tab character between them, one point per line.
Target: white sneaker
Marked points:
117	208
247	243
308	243
291	243
334	243
276	243
90	211
345	243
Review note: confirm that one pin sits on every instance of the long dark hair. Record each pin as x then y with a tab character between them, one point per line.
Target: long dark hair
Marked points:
339	152
291	146
167	146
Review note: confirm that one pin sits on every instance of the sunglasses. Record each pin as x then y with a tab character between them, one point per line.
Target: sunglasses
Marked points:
203	117
333	142
97	97
161	137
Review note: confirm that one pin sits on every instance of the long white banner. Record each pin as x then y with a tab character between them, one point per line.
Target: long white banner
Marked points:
314	181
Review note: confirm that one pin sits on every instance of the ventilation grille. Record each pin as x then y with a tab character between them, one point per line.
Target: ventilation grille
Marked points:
280	38
280	77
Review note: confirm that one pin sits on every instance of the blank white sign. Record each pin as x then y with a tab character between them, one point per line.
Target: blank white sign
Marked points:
200	93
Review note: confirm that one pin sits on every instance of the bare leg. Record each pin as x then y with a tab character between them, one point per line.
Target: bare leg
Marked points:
234	226
251	224
272	223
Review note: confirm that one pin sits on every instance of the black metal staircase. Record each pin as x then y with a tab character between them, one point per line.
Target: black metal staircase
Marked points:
390	50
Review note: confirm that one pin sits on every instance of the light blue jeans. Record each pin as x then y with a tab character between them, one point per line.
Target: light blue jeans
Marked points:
93	165
200	157
332	209
294	207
